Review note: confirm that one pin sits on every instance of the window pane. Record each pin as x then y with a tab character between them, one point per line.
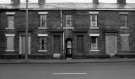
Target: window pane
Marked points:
108	1
43	43
123	19
43	20
94	43
93	20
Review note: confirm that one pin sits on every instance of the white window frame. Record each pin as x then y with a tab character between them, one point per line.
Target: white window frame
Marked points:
9	16
7	36
42	36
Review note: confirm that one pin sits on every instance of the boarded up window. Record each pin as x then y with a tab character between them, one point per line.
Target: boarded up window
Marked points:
10	43
124	42
10	22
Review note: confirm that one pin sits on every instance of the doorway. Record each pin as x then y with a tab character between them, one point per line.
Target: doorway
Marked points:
111	44
68	48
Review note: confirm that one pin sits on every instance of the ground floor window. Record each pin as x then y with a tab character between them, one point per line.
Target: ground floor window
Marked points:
10	42
124	39
43	42
94	41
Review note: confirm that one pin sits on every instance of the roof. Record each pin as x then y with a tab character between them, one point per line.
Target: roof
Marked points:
71	6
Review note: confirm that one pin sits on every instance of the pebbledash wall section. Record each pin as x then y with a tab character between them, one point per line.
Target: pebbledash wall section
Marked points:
108	23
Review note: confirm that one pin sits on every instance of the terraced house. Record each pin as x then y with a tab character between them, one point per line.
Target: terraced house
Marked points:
68	30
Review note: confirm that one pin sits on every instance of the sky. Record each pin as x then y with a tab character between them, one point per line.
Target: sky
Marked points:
61	1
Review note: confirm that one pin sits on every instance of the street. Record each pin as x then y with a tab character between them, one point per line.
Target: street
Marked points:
68	71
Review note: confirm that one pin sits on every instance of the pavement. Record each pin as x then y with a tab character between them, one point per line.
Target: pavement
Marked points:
65	61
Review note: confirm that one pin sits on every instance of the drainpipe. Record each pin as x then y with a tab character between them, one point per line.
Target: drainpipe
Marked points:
26	32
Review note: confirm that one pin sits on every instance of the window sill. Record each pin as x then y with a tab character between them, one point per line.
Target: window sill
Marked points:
10	50
94	50
42	50
42	28
10	28
68	27
123	27
94	27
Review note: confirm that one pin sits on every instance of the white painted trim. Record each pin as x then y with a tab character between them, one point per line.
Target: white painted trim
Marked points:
124	34
42	34
42	50
7	35
94	34
123	13
10	50
93	12
10	13
94	50
43	13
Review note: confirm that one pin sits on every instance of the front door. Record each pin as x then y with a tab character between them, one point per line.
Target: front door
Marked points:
22	48
111	43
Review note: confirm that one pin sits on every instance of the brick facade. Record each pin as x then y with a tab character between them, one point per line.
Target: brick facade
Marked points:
80	33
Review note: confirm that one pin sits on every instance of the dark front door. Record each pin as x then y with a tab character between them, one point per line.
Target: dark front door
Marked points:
80	43
57	44
69	48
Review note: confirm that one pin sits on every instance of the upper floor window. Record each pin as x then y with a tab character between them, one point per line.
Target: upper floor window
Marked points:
123	19
68	20
93	19
106	1
10	20
43	19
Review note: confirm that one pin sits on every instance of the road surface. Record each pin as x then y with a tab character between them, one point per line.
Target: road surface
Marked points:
68	71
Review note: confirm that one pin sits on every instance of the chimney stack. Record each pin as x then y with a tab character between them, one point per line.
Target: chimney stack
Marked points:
15	2
121	1
95	1
41	2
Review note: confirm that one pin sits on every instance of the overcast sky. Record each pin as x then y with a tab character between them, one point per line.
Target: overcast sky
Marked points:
61	1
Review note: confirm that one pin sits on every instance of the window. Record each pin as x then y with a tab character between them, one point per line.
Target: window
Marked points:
10	42
30	1
43	41
94	43
68	20
93	20
124	42
10	20
106	1
43	21
123	19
